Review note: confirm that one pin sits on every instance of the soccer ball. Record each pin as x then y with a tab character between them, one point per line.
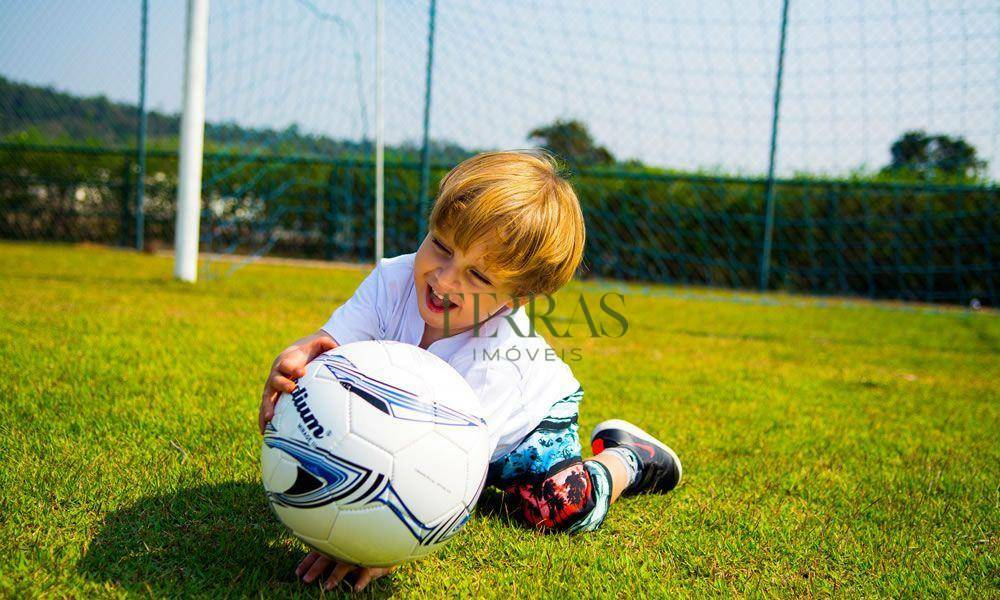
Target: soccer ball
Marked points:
378	456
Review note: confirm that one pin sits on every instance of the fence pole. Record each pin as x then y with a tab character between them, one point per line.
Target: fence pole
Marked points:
379	136
331	214
425	154
140	143
126	190
765	259
991	267
192	143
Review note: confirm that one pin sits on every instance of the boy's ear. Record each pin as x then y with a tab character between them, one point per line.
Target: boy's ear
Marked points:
515	301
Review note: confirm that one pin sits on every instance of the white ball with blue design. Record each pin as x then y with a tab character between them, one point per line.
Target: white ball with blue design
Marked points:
379	456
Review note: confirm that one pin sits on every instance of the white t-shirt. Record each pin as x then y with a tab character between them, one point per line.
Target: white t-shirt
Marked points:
517	379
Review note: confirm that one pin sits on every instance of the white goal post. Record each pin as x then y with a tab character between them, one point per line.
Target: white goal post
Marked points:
186	234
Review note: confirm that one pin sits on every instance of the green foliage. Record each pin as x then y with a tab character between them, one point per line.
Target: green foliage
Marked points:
571	141
924	242
60	116
44	116
829	449
876	234
921	156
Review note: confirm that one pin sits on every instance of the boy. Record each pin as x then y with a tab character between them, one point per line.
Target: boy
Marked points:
504	227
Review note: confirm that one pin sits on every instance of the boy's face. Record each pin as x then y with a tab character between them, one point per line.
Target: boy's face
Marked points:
460	277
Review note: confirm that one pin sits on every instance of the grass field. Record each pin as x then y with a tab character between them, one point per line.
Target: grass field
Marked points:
828	449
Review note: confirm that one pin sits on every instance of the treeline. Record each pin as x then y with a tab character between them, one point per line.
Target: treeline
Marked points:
41	115
921	228
927	242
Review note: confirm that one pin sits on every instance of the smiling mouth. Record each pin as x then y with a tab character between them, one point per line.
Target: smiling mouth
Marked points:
435	304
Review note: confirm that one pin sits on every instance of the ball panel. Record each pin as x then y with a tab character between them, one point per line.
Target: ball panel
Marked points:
382	430
374	537
315	523
316	544
270	459
430	475
365	454
477	459
285	471
332	551
376	359
452	521
285	417
475	442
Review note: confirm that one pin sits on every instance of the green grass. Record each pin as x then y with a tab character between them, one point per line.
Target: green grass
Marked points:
828	449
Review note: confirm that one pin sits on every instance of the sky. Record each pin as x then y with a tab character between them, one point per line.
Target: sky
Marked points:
686	85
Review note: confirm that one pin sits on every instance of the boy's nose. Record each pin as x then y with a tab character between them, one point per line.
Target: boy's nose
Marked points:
446	281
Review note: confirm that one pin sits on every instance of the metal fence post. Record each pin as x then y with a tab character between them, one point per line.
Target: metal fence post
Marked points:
126	197
140	144
928	253
988	247
379	132
331	214
765	259
425	153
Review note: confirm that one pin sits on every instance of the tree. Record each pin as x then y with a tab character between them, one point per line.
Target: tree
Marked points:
929	156
571	141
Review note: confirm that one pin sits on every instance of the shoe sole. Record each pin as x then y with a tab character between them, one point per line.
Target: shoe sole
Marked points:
641	434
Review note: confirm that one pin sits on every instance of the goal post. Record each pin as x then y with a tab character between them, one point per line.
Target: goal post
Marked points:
192	140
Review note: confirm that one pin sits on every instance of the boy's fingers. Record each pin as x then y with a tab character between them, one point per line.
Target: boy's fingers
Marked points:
316	569
290	367
276	384
338	573
364	578
306	563
267	398
281	383
267	401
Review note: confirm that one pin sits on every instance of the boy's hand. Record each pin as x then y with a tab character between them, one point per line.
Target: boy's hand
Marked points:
290	364
315	565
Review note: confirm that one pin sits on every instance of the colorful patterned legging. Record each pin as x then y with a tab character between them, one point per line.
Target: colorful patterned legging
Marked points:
556	489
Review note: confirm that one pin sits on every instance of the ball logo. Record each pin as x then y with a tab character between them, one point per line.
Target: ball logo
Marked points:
299	397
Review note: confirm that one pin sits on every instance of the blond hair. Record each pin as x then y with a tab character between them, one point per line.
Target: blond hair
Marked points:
529	213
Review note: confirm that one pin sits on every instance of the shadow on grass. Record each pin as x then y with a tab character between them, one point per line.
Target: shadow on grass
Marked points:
210	540
495	505
89	278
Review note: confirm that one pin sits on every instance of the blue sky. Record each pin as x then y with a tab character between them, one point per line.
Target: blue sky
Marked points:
686	85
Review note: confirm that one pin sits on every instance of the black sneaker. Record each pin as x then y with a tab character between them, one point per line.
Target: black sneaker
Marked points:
660	469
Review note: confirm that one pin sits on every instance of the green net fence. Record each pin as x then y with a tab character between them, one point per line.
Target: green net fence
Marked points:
816	147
